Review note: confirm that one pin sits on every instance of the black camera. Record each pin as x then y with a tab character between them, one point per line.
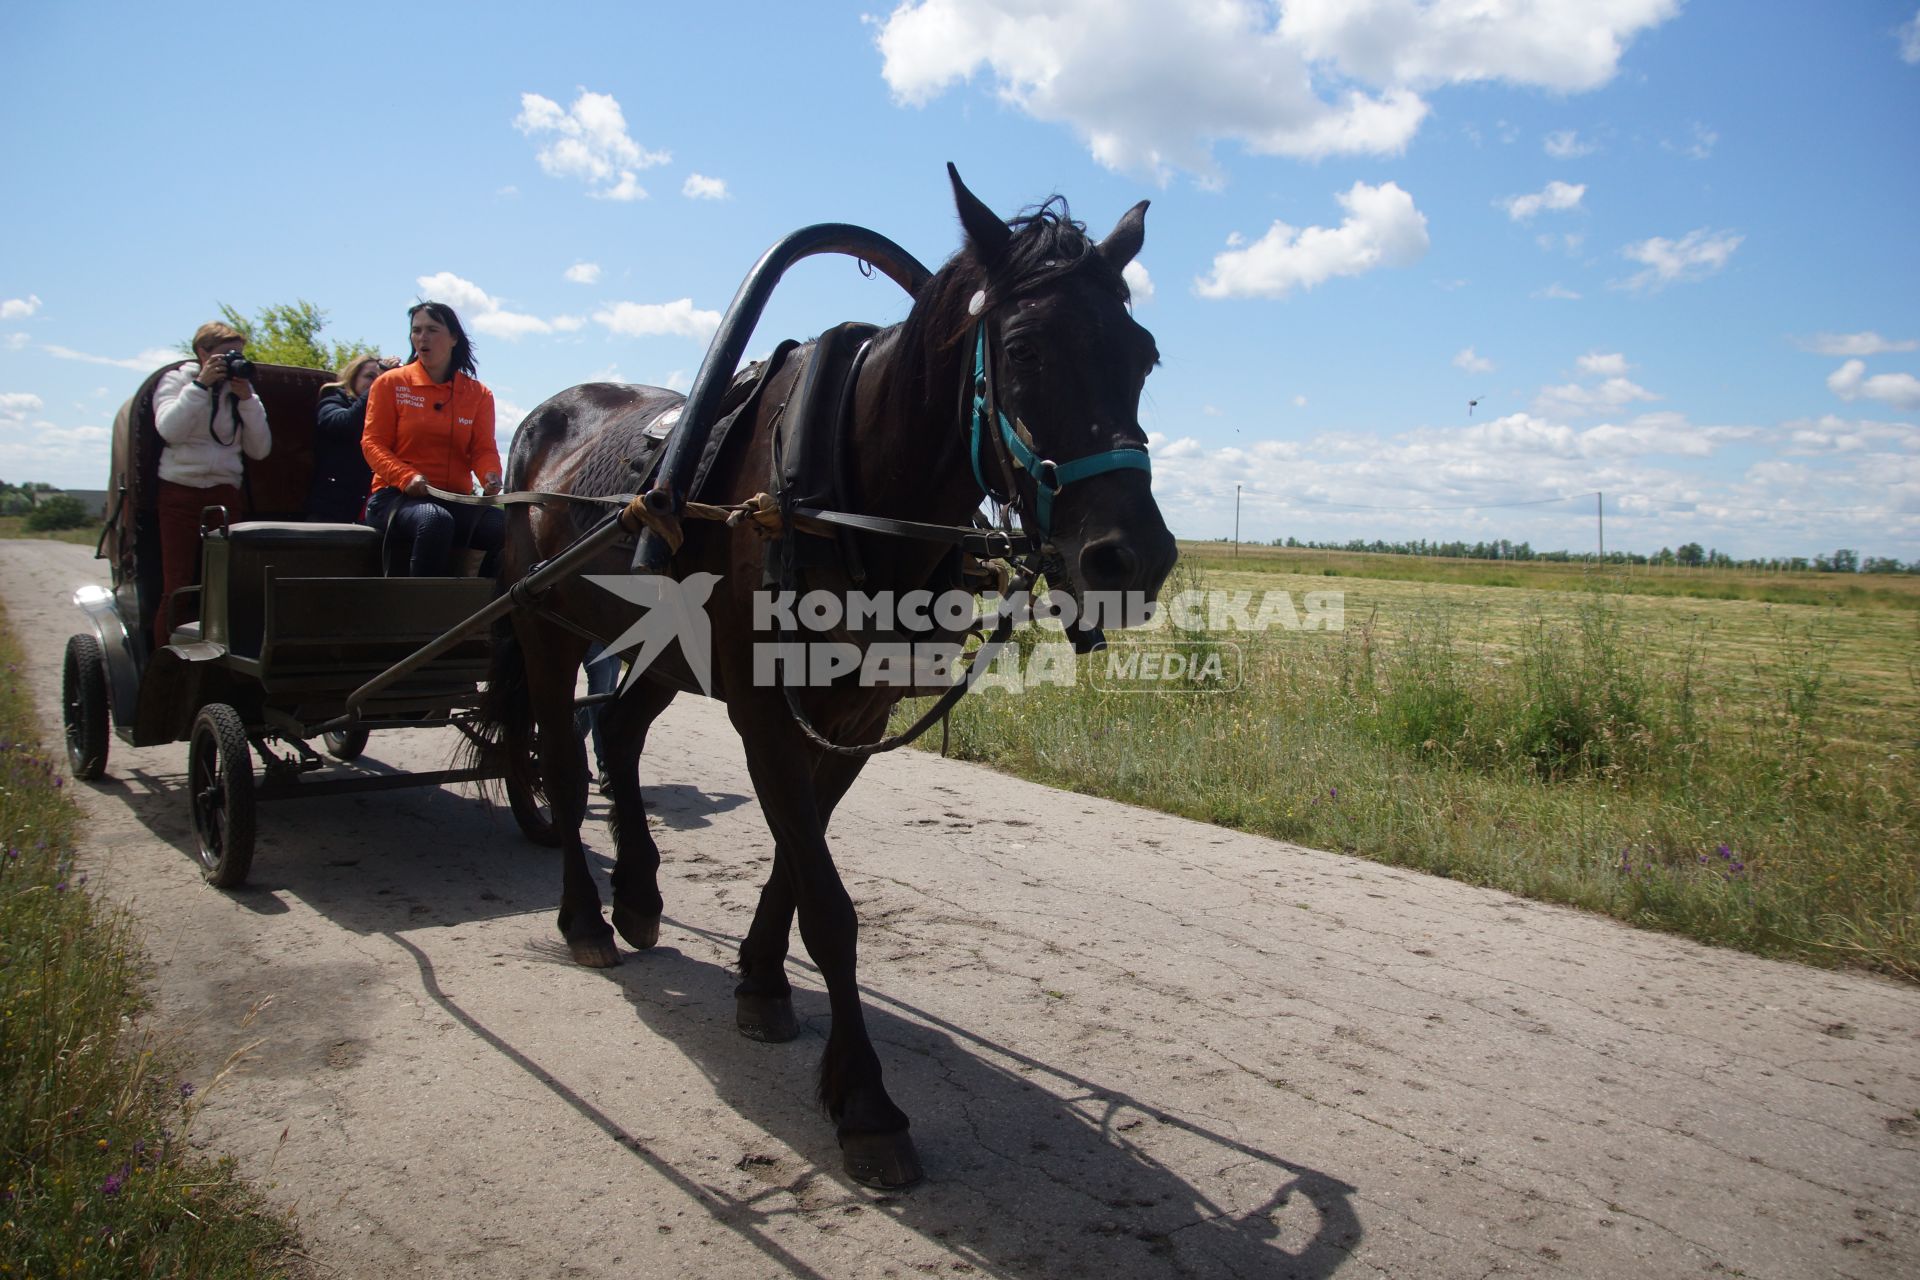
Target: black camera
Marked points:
238	366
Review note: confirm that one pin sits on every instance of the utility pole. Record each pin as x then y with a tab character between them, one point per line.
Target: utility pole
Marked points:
1600	520
1236	522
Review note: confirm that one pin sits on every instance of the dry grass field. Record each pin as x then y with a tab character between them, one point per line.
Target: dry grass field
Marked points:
1713	762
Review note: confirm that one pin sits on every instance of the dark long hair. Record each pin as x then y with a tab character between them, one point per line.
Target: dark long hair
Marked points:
463	360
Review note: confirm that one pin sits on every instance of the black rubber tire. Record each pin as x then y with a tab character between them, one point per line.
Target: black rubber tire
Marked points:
529	804
220	792
345	744
84	691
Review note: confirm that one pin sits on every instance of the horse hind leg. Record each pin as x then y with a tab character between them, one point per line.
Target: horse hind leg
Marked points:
551	662
636	870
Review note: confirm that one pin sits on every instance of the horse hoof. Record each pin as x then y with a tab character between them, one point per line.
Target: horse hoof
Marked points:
640	931
594	953
881	1159
768	1019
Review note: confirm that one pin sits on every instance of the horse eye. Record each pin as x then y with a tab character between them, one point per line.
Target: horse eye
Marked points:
1024	354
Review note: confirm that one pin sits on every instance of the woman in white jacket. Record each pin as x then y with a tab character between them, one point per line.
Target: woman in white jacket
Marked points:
207	421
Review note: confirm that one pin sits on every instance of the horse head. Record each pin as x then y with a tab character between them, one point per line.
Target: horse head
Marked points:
1057	363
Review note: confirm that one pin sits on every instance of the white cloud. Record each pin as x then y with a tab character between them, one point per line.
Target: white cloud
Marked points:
1699	142
481	312
1139	283
1603	364
1151	85
1555	195
147	361
1694	256
1854	344
1557	290
1909	37
588	141
678	380
1849	382
1830	434
700	187
1299	402
1565	144
1382	228
19	308
584	273
17	341
16	405
648	319
1578	400
1472	363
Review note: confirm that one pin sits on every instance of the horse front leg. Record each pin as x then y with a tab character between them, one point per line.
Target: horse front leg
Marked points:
874	1142
636	870
551	664
763	1001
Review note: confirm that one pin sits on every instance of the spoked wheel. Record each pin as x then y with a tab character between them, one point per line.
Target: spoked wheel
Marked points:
84	691
345	744
220	788
529	801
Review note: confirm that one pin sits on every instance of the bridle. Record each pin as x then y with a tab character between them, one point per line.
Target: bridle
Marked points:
1012	447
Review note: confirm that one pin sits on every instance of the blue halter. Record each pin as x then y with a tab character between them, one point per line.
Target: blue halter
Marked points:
1049	478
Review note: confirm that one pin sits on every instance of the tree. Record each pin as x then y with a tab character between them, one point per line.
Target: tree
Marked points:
1692	555
289	333
1845	561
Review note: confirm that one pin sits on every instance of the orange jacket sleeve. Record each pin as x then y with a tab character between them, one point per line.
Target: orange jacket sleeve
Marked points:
381	435
485	450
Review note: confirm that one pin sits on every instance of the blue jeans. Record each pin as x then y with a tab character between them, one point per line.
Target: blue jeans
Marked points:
431	530
602	675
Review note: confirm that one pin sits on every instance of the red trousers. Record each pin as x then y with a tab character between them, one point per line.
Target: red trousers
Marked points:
179	511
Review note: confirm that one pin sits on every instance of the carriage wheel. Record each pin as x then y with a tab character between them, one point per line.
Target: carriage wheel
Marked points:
220	789
84	691
529	801
345	744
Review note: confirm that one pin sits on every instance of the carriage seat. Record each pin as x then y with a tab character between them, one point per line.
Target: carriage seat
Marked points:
290	549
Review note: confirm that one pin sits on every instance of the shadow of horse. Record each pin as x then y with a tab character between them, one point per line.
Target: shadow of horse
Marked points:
1033	1171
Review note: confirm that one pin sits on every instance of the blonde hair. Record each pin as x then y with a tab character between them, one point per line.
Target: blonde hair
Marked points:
212	334
350	373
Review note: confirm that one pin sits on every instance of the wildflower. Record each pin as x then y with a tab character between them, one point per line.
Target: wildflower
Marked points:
186	1090
115	1181
83	877
61	887
103	1144
1739	866
1725	852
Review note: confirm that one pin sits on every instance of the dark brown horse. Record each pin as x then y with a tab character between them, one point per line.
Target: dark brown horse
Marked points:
1049	308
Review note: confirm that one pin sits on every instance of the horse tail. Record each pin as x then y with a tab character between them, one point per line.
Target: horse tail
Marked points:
502	741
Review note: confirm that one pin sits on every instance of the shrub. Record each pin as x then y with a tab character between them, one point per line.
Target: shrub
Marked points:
61	511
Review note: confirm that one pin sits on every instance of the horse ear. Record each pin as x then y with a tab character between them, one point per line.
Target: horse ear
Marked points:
1128	234
985	232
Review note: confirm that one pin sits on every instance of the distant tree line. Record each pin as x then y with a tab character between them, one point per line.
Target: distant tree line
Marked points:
1690	555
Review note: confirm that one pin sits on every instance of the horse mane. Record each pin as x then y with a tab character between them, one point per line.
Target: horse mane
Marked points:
1047	246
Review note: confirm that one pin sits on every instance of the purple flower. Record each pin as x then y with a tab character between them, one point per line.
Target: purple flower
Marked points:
83	877
186	1090
114	1182
1725	852
1739	866
61	887
1333	792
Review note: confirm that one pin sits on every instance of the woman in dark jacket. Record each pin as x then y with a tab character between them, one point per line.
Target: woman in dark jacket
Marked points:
341	477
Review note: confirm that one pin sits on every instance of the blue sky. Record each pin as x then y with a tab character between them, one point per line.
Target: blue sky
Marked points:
1668	246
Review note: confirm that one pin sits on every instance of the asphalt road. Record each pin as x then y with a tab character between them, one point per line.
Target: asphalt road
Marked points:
1131	1045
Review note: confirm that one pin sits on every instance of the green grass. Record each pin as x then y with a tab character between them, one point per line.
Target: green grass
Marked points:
16	527
96	1174
1739	772
1899	591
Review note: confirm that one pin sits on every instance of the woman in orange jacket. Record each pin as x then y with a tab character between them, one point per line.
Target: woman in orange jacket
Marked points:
430	424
